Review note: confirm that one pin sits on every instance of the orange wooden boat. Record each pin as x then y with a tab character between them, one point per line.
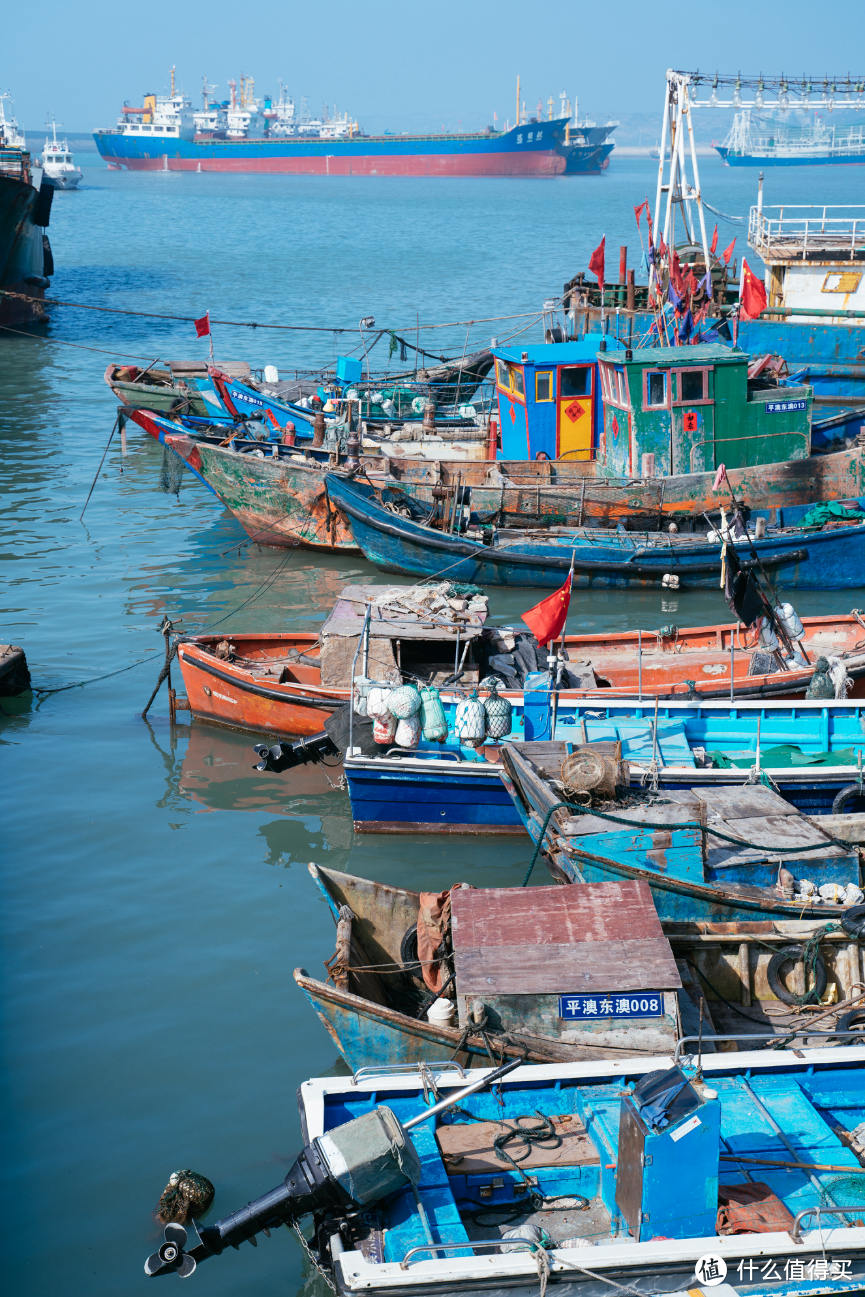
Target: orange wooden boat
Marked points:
272	683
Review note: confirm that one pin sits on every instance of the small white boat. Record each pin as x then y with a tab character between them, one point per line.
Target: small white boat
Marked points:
58	168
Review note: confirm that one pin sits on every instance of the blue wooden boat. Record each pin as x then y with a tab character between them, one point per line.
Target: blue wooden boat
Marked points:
828	559
454	788
725	862
645	1167
372	1004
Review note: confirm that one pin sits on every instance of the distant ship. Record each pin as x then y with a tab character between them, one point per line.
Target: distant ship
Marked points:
25	207
768	142
58	167
243	134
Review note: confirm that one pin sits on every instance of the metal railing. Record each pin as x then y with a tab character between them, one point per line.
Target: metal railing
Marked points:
513	1244
385	1069
792	1033
794	233
796	1232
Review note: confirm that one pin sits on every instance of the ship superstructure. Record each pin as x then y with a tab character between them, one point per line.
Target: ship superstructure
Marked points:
757	141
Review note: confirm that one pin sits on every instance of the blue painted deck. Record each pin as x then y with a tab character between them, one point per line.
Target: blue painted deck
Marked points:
812	1101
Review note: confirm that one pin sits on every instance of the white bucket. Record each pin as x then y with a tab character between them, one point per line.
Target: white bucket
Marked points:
441	1013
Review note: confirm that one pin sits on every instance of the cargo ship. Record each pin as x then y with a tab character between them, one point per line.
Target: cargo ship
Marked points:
245	135
25	206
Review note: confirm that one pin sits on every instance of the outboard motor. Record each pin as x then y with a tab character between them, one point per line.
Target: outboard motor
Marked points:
351	1166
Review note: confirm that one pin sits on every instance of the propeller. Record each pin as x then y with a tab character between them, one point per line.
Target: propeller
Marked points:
171	1258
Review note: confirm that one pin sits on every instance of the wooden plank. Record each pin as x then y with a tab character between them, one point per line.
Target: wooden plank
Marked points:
786	832
744	802
574	916
470	1150
678	813
552	969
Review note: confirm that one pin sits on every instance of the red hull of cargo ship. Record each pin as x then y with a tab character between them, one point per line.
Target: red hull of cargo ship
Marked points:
448	164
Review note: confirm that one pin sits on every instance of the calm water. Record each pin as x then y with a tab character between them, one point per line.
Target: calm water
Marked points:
151	1021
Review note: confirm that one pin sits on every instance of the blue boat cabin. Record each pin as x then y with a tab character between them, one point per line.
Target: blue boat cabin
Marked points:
548	399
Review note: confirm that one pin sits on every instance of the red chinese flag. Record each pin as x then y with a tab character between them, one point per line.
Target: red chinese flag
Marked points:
753	296
727	253
713	246
202	326
596	265
547	619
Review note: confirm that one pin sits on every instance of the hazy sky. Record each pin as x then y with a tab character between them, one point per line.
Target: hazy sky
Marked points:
402	65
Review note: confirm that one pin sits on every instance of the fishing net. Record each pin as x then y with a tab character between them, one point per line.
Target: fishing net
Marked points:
170	472
187	1196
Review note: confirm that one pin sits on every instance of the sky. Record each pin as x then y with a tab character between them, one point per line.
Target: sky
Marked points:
397	65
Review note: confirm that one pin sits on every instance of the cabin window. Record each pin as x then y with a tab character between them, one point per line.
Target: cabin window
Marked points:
502	375
576	382
692	384
517	380
845	281
656	389
544	385
614	384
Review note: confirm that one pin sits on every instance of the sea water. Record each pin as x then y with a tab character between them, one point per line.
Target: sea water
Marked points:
155	891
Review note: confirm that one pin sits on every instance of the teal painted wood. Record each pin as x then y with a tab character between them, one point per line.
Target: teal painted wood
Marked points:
799	560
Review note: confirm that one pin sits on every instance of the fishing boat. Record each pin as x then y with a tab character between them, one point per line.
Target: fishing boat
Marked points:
58	166
722	854
827	559
771	142
189	387
377	1002
657	1174
273	479
302	680
26	261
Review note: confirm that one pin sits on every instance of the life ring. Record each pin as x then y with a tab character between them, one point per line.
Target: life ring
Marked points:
794	954
848	794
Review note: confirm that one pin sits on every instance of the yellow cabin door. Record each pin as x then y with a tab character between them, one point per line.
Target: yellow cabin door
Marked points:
576	413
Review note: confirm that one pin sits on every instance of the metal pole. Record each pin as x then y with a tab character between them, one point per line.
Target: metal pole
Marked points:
665	122
697	187
640	664
353	665
821	1189
732	658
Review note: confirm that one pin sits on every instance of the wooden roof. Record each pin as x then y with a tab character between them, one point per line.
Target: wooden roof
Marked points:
543	940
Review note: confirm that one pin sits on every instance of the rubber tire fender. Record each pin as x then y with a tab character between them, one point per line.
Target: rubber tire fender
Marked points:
848	1020
785	956
853	921
846	795
408	953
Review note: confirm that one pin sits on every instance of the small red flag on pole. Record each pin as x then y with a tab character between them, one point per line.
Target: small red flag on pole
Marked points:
713	246
547	619
596	264
202	326
727	253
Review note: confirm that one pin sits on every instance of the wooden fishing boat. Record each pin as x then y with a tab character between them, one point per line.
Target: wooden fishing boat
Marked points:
272	683
668	1174
740	853
372	1004
830	558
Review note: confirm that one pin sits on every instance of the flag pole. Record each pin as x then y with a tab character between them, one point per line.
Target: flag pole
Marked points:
555	683
210	335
